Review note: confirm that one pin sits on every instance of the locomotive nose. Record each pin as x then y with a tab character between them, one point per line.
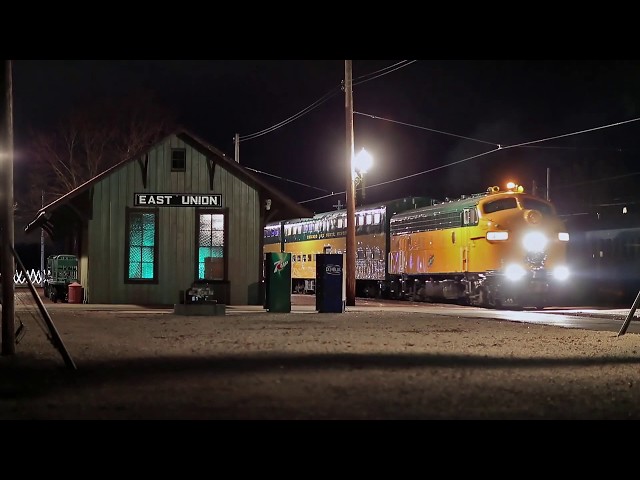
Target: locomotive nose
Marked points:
533	217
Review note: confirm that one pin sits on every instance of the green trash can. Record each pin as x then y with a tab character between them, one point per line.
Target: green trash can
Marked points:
277	281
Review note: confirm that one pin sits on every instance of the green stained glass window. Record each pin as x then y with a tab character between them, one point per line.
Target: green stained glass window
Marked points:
142	245
211	246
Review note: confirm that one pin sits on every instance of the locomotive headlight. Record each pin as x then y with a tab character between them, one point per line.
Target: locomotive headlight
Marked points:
534	242
498	236
514	272
563	236
561	273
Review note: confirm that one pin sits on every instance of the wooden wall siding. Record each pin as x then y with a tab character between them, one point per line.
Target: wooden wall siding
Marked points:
83	262
176	267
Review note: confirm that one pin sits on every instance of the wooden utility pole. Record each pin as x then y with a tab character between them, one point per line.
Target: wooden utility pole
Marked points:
6	211
236	142
351	209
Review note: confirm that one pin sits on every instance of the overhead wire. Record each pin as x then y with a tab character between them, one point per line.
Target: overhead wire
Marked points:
327	96
286	179
500	147
384	71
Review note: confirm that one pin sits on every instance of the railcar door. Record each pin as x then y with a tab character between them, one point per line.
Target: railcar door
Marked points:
465	244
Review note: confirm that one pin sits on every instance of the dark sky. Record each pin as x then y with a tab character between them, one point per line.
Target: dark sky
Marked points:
433	116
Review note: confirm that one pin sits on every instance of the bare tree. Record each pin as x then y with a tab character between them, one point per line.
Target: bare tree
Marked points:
90	141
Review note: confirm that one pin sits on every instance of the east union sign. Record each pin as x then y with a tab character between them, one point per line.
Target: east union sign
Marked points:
176	200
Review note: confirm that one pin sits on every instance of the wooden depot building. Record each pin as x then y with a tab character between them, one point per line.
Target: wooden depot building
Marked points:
152	225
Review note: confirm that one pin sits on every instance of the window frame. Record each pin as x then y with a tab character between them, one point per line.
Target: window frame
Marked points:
225	235
184	160
129	211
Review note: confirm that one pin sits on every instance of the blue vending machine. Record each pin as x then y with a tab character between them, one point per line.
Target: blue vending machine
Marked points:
330	283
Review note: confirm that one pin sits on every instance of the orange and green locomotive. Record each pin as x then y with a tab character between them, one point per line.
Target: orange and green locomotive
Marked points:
494	249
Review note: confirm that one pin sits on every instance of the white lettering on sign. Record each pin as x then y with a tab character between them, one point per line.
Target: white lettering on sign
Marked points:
176	199
200	200
333	269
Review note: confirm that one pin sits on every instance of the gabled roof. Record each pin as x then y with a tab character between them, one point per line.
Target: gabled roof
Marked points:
74	203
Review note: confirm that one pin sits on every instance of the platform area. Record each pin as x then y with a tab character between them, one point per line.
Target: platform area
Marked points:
205	309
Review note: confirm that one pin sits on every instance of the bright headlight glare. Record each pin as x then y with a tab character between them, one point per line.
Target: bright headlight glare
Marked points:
561	272
514	272
497	236
534	242
563	236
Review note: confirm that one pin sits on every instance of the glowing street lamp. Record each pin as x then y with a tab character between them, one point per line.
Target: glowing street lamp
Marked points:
362	162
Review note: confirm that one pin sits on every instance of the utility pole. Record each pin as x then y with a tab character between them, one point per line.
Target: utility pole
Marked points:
6	211
42	272
351	210
548	175
236	142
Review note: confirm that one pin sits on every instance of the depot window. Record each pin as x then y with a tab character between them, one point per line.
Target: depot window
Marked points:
211	245
178	159
141	244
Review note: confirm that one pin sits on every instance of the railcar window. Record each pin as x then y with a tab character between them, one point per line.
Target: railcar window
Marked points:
376	218
427	221
369	218
532	204
500	204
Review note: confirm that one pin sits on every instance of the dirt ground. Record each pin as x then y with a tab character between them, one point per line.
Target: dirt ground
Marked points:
151	364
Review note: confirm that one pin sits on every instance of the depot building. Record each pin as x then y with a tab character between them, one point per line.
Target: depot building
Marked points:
181	212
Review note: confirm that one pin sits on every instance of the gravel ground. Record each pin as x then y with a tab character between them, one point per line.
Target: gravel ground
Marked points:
154	365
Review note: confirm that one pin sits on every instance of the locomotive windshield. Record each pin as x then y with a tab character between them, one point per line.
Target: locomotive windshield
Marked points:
526	203
500	204
533	204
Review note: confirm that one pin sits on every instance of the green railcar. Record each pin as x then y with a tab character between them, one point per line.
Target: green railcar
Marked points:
62	270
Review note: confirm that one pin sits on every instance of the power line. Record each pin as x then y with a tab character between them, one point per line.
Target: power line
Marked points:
330	94
286	179
425	128
586	182
382	72
327	96
500	147
385	71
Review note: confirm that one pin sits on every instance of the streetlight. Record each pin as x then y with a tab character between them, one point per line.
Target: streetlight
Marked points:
361	164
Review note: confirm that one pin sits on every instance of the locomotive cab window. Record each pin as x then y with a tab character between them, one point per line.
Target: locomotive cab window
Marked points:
500	204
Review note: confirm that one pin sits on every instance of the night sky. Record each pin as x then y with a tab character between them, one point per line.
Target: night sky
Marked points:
431	117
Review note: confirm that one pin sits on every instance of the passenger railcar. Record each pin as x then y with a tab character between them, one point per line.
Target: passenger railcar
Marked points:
326	233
